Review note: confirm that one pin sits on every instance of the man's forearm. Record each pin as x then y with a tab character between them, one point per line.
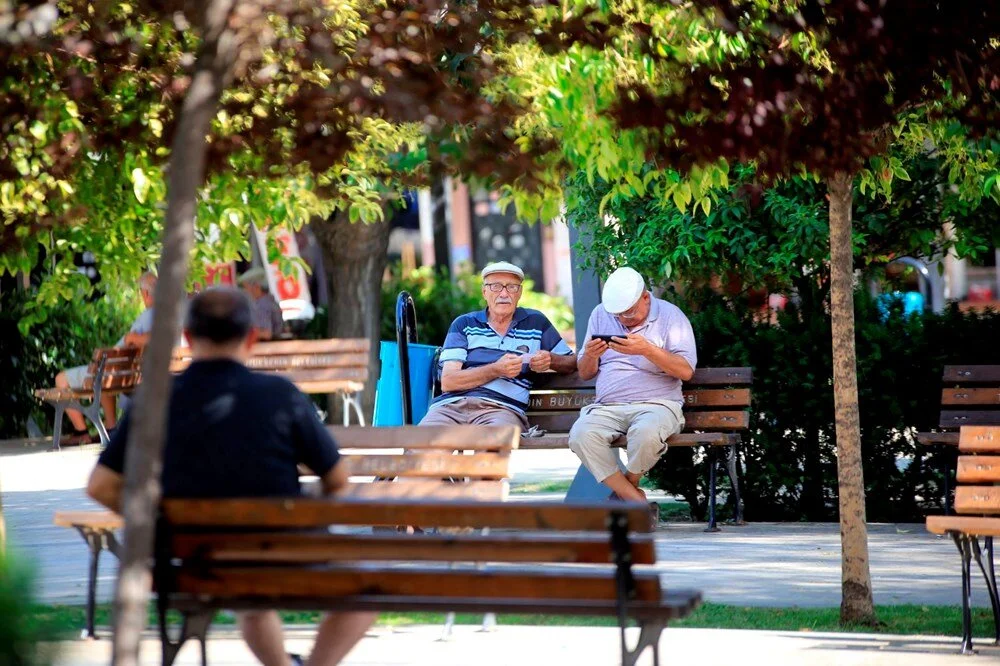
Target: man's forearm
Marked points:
563	363
587	366
672	364
470	378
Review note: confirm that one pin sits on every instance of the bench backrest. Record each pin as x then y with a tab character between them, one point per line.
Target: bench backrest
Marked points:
978	471
314	366
119	369
716	399
202	556
970	397
422	461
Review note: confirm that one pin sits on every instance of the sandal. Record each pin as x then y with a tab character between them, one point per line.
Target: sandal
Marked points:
76	438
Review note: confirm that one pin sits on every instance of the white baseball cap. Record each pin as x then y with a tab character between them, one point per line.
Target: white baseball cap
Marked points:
622	290
502	267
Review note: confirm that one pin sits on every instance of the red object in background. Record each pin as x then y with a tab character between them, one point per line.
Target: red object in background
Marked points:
777	301
217	275
979	293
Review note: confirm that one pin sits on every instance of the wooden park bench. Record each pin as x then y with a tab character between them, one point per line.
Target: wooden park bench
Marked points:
977	503
111	371
716	404
970	396
430	471
539	557
337	366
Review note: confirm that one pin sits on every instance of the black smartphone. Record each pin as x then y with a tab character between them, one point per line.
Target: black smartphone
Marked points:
606	338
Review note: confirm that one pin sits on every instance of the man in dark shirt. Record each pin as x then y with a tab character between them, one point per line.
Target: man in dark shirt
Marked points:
235	433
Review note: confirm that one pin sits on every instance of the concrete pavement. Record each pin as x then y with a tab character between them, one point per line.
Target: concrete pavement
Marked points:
583	646
762	564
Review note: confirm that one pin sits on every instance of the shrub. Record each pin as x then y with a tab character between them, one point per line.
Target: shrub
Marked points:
20	634
66	337
790	451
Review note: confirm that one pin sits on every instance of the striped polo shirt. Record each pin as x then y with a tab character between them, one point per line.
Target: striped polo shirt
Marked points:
473	341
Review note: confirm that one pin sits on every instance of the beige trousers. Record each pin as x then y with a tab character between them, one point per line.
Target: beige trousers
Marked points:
646	425
474	411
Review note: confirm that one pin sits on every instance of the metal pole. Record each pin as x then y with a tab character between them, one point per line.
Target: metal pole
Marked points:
406	332
586	288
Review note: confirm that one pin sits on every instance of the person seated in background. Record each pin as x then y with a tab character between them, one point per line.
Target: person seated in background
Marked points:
640	348
267	318
489	355
234	433
75	378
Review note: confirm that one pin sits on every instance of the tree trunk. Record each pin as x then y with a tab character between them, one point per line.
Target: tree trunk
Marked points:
856	602
354	255
143	462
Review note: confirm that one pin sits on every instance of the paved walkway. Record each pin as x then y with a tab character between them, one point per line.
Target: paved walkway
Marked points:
763	564
545	646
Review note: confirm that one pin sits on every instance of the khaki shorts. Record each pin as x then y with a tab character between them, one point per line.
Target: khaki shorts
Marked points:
474	411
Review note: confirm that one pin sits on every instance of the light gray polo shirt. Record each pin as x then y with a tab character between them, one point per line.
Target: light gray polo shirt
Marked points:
624	378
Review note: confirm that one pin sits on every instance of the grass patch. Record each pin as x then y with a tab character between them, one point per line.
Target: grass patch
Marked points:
541	487
67	621
675	512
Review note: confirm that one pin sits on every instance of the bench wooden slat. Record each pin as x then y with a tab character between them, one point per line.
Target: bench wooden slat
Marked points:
430	465
979	439
322	512
318	548
488	583
451	438
565	400
288	347
426	489
964	525
97	520
927	438
978	469
975	374
702	377
970	417
681	439
334	386
977	499
317	375
708	420
970	396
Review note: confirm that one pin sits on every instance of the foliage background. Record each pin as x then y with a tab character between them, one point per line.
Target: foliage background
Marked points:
788	457
69	334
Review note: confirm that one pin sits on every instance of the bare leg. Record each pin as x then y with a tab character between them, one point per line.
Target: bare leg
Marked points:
109	405
624	488
262	633
633	478
337	636
75	417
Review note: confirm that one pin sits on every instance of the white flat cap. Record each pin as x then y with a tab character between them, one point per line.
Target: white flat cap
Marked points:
502	267
622	290
255	275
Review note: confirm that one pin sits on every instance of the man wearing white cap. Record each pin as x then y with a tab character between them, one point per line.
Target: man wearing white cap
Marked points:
639	371
489	356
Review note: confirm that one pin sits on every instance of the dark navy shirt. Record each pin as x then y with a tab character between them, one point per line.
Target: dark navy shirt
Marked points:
234	433
473	341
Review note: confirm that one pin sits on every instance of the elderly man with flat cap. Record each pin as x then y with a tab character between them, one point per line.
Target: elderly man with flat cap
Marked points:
267	319
640	348
489	356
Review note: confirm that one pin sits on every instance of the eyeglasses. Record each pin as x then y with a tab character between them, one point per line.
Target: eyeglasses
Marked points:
632	312
497	287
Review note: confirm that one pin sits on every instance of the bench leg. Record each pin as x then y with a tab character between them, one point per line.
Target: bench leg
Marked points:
449	627
95	544
965	550
712	527
352	401
732	465
649	636
195	625
57	428
991	583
